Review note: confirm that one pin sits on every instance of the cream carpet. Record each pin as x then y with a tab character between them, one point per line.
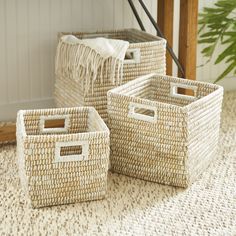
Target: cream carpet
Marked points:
132	206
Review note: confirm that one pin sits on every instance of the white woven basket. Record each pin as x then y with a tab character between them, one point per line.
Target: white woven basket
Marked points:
160	135
148	55
62	165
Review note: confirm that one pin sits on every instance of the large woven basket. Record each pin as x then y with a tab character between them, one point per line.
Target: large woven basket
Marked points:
147	55
64	164
160	135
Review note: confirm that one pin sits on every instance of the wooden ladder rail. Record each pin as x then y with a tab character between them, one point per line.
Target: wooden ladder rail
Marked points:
187	33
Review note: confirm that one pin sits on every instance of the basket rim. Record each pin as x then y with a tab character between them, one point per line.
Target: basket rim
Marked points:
134	84
156	39
22	128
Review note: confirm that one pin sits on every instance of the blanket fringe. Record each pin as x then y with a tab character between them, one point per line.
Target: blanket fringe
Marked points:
80	62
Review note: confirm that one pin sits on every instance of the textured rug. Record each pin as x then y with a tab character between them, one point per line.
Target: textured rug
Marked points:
132	206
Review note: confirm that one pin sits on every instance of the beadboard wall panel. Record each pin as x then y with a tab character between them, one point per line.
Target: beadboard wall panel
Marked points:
28	43
11	44
3	61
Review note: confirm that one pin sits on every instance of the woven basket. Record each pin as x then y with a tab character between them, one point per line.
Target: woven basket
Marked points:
64	164
148	55
160	135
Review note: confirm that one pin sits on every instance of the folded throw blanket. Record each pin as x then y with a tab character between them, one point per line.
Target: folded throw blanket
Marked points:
86	58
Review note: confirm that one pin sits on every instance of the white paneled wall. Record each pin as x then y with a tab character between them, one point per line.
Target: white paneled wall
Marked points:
28	37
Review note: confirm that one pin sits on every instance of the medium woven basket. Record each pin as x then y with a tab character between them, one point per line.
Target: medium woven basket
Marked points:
64	164
147	55
160	135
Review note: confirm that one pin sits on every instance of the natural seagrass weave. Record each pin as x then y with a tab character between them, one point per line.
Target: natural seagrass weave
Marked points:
146	54
160	135
64	164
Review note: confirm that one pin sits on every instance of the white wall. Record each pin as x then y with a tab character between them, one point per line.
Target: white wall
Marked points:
28	33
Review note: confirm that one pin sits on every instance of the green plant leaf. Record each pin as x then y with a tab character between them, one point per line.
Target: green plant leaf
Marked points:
230	33
209	34
207	40
232	39
201	28
225	53
213	10
226	71
208	51
232	58
220	23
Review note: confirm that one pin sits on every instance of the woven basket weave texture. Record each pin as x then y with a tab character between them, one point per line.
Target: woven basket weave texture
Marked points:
160	135
61	165
148	54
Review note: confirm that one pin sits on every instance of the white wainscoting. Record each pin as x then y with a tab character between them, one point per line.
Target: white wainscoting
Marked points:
28	36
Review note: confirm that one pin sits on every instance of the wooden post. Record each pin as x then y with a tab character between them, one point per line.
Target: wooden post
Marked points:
188	37
165	15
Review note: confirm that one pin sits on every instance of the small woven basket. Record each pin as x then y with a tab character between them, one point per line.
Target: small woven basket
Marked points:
146	54
66	162
160	135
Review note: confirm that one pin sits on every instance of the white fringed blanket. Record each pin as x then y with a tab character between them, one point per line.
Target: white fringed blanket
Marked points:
88	58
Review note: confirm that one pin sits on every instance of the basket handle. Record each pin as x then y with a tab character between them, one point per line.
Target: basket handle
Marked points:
174	91
80	153
137	111
134	54
57	128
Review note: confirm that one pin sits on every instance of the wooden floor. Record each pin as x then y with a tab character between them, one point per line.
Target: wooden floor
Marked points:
8	133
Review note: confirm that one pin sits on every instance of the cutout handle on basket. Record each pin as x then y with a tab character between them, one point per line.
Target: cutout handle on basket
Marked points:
142	112
54	124
132	56
174	91
71	151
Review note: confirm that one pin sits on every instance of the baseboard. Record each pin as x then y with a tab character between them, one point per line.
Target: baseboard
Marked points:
8	111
